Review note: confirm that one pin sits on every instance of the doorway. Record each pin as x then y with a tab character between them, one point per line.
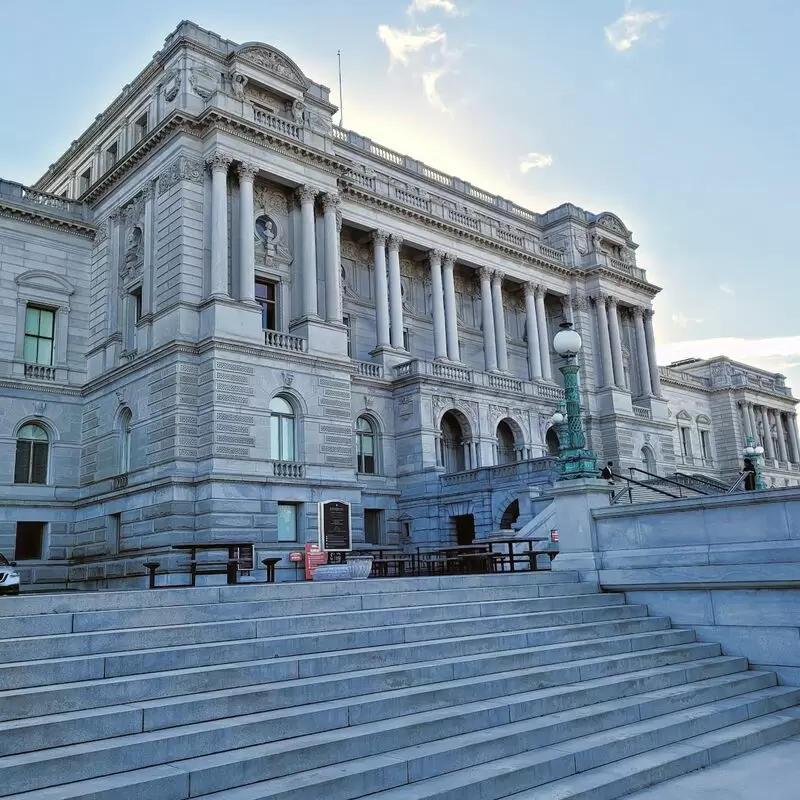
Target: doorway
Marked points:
465	529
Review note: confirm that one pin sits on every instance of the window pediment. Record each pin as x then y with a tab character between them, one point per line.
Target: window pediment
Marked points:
268	58
38	280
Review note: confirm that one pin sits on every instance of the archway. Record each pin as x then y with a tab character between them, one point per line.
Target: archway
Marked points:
510	516
552	442
453	442
506	443
648	460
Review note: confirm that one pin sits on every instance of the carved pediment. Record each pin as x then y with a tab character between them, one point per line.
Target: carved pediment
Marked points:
612	222
45	281
266	57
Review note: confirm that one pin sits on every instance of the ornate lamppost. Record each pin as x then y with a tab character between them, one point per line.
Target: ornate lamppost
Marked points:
575	460
754	453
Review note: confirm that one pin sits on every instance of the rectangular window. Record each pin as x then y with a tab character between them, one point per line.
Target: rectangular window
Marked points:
372	525
134	316
85	181
347	325
287	522
704	445
114	529
267	298
39	335
407	339
112	154
30	465
30	541
686	442
140	129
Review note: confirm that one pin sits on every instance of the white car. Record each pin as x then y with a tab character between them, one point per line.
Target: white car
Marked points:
9	577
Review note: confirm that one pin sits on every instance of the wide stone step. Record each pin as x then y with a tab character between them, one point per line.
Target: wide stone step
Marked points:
249	626
78	602
388	776
454	737
556	627
401	666
368	697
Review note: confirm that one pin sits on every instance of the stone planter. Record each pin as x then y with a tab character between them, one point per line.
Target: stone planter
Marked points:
332	572
360	566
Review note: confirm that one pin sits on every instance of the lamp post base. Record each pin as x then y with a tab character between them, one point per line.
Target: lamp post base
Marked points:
577	463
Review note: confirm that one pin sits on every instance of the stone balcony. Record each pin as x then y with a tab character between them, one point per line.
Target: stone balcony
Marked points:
534	470
26	200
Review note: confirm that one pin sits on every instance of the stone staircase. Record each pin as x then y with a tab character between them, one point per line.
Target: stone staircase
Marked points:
528	685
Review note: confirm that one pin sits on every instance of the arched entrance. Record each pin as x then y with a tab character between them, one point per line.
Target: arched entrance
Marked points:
510	516
453	443
552	442
648	460
506	443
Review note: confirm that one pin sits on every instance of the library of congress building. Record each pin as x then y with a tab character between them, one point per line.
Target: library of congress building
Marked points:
218	309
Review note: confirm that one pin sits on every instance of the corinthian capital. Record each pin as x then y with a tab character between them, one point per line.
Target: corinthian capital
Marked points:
247	171
305	193
330	201
219	161
648	313
395	242
379	237
449	260
530	289
485	273
435	256
541	291
498	276
637	311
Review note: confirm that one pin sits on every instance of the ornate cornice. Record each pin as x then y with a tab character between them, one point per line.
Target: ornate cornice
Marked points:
41	219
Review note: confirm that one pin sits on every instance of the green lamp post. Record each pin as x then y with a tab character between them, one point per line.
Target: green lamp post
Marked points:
575	461
754	453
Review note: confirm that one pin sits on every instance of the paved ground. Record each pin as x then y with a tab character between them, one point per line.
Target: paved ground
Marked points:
771	773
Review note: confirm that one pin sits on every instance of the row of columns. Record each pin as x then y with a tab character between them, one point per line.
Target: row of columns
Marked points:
611	345
782	452
219	164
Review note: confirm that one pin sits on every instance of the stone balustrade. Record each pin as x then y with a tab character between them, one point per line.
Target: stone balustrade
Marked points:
642	413
285	341
278	124
21	195
368	369
501	473
288	469
40	373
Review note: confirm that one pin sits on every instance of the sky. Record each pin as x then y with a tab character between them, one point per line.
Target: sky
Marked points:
680	116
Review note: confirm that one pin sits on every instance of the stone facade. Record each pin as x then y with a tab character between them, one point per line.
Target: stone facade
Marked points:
219	309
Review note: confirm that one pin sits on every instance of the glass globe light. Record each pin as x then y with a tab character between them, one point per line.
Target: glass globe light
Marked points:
759	450
749	450
557	418
567	342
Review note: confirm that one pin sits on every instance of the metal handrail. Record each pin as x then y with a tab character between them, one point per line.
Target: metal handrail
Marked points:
638	483
739	481
718	485
666	480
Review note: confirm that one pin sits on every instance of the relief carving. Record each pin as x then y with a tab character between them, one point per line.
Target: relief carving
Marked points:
172	83
203	81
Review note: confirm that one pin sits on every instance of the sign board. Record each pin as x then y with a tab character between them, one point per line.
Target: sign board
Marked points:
315	557
246	555
554	534
295	557
334	526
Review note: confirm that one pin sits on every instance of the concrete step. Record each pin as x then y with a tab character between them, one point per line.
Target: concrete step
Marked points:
248	625
76	602
368	697
556	627
399	666
392	776
455	736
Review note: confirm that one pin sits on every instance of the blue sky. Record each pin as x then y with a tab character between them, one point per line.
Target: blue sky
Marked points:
679	115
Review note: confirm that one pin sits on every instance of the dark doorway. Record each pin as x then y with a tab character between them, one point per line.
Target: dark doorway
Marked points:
551	440
465	529
510	516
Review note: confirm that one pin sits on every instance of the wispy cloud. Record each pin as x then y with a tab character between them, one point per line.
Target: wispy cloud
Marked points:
630	28
423	6
727	288
432	95
535	161
682	321
403	43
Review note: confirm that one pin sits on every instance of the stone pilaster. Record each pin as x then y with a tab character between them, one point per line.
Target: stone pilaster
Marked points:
218	162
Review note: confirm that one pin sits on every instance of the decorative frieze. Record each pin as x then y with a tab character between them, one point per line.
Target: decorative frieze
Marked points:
182	168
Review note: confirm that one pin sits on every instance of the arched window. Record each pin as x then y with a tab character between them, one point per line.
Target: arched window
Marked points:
365	446
552	442
33	449
648	460
281	430
506	444
125	425
452	443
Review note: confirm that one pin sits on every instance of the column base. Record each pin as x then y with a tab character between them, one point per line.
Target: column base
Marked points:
222	316
612	400
389	358
328	338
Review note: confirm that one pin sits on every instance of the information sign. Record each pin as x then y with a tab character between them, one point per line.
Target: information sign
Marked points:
315	557
334	526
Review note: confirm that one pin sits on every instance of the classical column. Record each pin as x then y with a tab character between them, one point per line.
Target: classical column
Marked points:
544	343
381	288
247	241
333	271
748	428
605	340
769	445
487	320
450	317
148	267
641	352
792	422
650	338
616	343
395	292
532	333
751	415
308	249
437	297
784	455
219	163
499	321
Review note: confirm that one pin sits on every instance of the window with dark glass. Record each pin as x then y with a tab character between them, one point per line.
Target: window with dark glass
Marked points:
33	447
140	129
29	541
348	325
39	335
85	181
365	445
372	525
112	154
267	298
